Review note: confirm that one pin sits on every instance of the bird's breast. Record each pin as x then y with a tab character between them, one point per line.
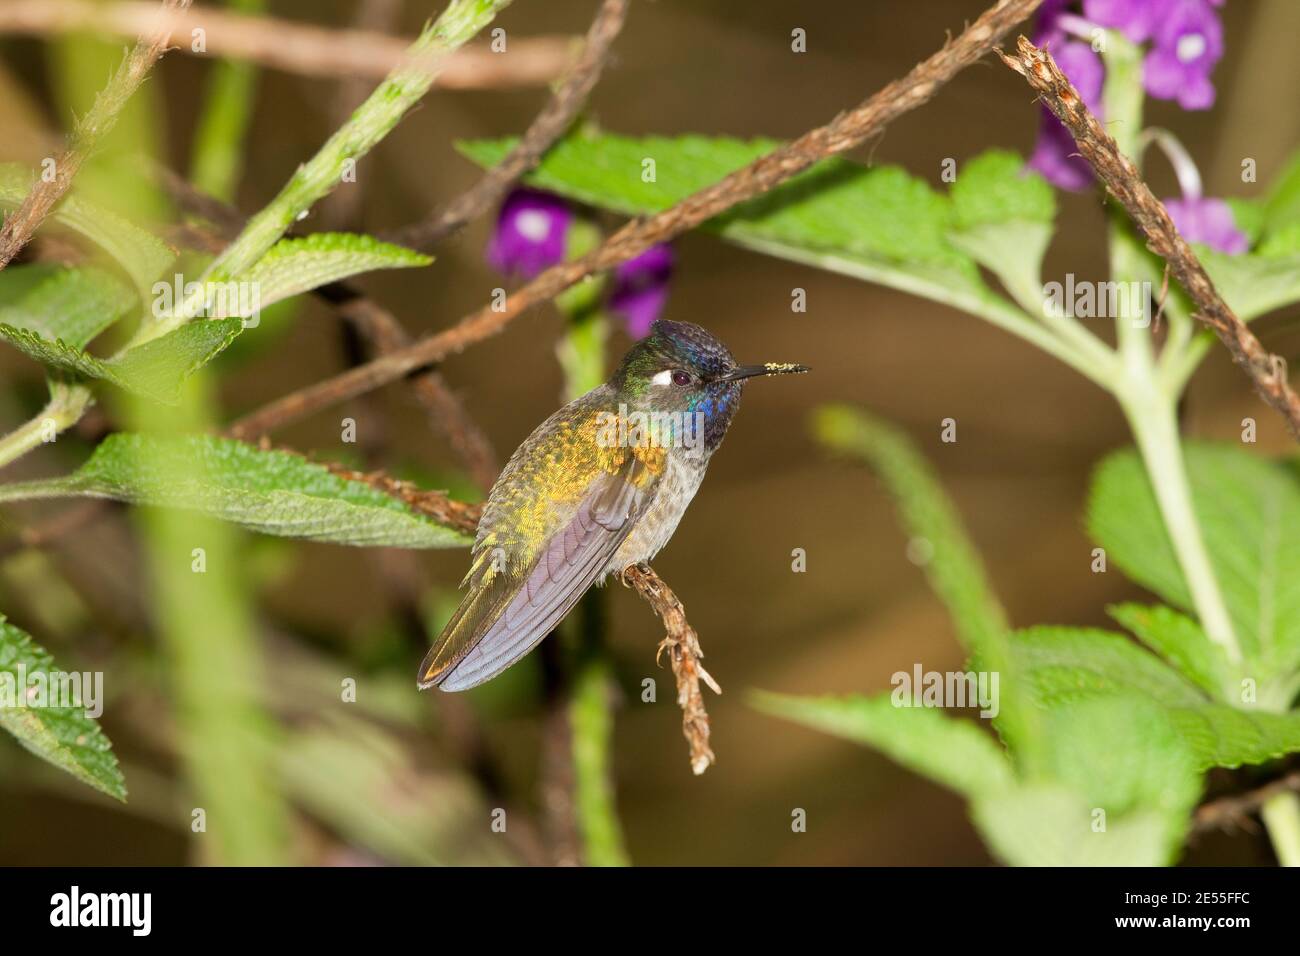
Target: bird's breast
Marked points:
681	479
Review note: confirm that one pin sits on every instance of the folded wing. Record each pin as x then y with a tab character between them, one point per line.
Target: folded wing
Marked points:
502	619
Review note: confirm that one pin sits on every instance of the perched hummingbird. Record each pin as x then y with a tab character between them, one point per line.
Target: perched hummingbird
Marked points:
597	487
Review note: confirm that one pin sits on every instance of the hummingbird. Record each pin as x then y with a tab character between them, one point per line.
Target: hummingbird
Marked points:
598	487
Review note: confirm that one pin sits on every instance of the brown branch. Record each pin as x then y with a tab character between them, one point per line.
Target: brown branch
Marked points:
550	124
445	510
1122	180
91	130
843	133
1235	811
684	654
299	48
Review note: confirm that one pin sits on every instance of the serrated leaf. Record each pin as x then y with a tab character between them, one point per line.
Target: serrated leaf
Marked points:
73	305
1123	782
953	753
880	224
64	736
294	266
141	254
996	187
1248	509
1253	284
271	492
154	369
1003	219
1062	666
1178	639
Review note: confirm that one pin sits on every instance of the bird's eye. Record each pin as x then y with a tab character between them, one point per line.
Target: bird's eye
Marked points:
680	378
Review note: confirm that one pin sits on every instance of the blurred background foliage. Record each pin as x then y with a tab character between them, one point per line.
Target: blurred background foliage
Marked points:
406	778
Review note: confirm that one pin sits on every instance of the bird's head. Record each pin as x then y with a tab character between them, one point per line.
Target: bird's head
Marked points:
681	367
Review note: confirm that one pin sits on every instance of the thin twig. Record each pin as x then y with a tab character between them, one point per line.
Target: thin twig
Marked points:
1236	811
1122	180
684	654
91	130
300	48
843	133
438	505
550	124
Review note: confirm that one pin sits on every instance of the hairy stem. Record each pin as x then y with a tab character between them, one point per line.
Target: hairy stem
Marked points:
66	406
371	122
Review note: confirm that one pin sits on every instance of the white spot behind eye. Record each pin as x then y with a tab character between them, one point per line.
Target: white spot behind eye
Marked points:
663	378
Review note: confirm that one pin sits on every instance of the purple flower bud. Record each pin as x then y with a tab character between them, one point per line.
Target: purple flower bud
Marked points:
641	289
1208	221
531	231
1188	43
1055	154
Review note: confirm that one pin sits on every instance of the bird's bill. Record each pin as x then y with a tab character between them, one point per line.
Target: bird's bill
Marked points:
769	368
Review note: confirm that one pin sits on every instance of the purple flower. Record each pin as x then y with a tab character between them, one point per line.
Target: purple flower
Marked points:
531	231
1055	152
1136	19
641	289
1208	221
1188	43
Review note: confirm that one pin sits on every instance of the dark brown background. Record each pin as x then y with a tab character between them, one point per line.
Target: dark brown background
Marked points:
1030	430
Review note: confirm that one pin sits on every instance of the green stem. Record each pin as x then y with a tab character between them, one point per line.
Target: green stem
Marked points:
209	635
1281	815
66	406
217	155
1152	416
593	797
372	121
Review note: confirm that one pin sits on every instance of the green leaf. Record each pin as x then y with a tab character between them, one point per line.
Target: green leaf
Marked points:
1179	640
1003	219
1248	509
1282	208
880	224
272	492
1122	785
293	266
1051	825
1254	284
995	187
1062	666
155	369
953	753
64	736
73	305
141	254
